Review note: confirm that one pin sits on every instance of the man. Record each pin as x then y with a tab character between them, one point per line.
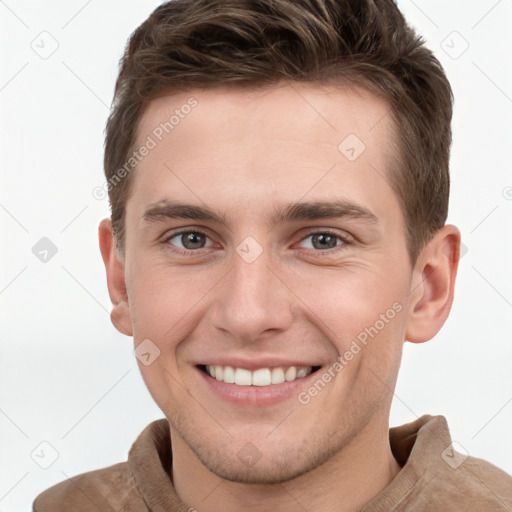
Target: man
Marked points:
278	177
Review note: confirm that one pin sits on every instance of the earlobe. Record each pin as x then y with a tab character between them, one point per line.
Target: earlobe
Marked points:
114	266
432	286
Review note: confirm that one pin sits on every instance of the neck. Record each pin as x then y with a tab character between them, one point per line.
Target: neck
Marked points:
345	483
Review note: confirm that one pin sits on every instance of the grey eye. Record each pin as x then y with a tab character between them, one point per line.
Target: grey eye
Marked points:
189	240
322	241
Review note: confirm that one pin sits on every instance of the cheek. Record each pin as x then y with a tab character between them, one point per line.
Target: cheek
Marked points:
164	301
361	312
350	299
164	304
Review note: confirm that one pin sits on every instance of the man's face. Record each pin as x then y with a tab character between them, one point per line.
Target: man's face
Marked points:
264	285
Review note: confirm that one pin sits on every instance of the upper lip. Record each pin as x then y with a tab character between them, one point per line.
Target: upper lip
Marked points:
261	362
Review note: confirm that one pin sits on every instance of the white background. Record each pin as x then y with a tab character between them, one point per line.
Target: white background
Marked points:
68	378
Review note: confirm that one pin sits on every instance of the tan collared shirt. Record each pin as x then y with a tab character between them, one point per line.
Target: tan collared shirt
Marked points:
434	477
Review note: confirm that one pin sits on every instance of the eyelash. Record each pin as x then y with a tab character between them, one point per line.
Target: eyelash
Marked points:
346	240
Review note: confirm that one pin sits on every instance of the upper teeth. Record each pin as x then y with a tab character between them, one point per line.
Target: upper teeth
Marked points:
260	377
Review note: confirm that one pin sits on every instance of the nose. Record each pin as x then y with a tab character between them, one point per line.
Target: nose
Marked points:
252	301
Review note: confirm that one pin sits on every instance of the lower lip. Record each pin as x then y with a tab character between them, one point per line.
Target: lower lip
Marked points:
256	396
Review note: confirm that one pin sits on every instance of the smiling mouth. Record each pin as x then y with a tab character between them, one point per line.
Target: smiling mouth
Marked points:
259	377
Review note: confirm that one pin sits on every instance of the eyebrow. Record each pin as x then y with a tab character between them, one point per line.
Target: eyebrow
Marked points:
288	212
321	210
167	209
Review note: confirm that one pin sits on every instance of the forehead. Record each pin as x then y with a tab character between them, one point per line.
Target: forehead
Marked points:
236	146
325	112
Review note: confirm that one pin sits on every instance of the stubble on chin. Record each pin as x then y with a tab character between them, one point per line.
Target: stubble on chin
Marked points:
263	462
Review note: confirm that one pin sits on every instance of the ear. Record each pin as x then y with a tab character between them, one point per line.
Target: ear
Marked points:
433	284
114	266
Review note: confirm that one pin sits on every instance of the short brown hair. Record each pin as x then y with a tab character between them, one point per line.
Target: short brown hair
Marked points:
186	44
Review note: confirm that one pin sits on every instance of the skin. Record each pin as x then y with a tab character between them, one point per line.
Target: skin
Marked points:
245	154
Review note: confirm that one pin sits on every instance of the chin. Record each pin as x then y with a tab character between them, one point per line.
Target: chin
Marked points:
272	465
261	473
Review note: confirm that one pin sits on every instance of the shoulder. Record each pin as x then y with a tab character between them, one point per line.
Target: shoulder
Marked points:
125	486
437	475
108	489
473	482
